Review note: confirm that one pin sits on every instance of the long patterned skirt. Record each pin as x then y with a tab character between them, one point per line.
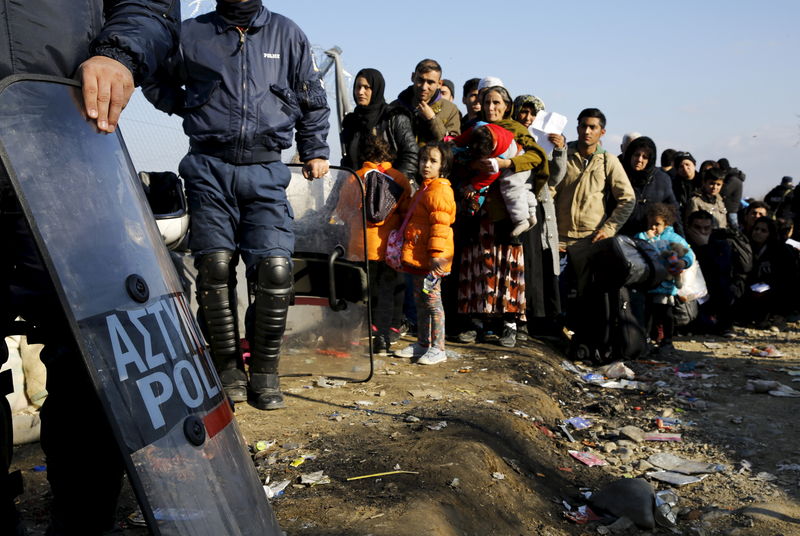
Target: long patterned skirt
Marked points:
491	277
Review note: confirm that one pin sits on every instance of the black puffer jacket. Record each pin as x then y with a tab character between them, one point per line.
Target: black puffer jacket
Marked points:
395	127
54	37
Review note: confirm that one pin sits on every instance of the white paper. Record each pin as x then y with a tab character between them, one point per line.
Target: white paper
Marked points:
544	124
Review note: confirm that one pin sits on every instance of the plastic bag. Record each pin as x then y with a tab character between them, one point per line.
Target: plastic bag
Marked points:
694	284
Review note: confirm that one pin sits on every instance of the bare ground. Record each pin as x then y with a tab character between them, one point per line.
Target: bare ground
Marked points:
500	464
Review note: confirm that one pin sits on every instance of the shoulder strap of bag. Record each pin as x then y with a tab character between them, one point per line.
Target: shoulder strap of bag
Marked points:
411	208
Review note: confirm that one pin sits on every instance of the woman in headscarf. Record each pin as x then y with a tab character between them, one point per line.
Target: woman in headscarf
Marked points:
492	270
541	247
373	116
650	184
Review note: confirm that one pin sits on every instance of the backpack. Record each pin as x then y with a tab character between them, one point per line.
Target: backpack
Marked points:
381	195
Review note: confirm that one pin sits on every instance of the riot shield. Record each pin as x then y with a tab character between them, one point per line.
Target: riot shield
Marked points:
185	455
328	328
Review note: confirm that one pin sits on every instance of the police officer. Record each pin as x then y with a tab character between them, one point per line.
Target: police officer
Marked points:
109	46
245	81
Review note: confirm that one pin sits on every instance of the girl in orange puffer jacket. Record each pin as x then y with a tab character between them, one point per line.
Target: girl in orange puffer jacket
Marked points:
428	250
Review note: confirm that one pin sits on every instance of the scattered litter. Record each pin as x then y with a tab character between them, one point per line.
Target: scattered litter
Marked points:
315	479
327	383
544	429
581	515
364	403
438	426
626	384
498	476
297	462
765	477
789	467
569	437
666	423
593	377
579	423
426	393
630	498
670	462
411	418
454	483
264	445
587	458
712	345
137	519
276	489
658	436
745	466
676	479
617	370
666	512
465	370
765	351
520	413
383	474
772	388
39	468
335	416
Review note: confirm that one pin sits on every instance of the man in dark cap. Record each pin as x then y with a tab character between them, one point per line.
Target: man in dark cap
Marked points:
777	195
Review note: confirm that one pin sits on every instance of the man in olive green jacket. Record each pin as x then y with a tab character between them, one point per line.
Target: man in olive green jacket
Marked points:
595	181
592	173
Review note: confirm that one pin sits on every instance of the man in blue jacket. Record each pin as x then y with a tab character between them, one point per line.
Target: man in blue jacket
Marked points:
110	46
245	81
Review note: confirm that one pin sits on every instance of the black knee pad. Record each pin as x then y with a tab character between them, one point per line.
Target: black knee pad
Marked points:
217	301
273	295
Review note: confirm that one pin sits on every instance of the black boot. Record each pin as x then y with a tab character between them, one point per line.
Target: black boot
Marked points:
265	391
273	294
216	295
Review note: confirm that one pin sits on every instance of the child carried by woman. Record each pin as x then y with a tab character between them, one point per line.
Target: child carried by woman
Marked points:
487	141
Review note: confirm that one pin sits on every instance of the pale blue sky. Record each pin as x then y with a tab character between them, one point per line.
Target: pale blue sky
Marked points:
714	78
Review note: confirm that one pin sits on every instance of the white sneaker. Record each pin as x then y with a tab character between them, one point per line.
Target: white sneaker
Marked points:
412	351
432	357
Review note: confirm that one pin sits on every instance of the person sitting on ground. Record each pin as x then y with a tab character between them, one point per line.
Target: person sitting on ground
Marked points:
755	210
708	198
492	142
771	281
428	251
658	307
725	257
650	184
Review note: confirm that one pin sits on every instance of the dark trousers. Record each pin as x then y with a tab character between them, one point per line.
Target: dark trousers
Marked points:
387	293
84	465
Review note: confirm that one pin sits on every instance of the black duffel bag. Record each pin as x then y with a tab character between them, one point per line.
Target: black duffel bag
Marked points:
623	261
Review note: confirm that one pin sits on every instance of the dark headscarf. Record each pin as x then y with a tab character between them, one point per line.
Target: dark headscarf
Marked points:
368	116
639	177
238	13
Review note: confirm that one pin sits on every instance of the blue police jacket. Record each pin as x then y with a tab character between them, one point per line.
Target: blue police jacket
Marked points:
242	92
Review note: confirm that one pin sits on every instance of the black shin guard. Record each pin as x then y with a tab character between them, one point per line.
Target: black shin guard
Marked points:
273	295
216	296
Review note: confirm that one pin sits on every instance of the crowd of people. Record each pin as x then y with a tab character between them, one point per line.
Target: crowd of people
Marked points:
502	244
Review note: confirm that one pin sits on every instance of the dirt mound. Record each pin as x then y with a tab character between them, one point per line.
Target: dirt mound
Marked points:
480	450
